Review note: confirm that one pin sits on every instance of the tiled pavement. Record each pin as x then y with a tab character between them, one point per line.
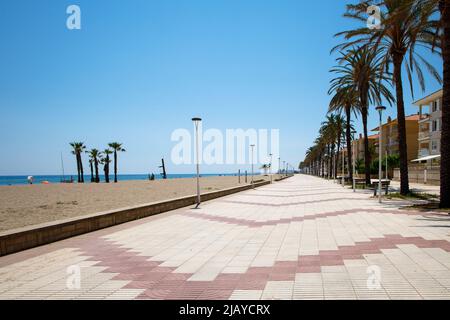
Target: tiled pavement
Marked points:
303	238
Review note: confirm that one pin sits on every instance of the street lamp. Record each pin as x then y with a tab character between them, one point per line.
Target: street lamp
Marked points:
380	110
279	165
252	147
197	122
387	177
284	167
270	167
353	161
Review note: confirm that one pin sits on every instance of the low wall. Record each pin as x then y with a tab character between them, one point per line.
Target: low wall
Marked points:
33	236
425	176
281	178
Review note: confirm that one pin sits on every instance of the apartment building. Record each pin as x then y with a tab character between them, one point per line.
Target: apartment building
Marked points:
390	143
430	113
358	146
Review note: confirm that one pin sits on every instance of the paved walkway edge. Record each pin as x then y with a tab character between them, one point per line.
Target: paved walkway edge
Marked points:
29	237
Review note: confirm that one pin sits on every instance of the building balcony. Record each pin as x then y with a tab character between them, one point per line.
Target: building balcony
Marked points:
424	119
424	135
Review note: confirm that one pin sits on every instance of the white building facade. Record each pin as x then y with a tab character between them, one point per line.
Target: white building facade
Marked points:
430	122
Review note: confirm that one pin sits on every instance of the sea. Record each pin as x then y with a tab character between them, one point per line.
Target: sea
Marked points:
52	179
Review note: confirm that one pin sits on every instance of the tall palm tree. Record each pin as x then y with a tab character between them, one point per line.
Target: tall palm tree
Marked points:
442	40
345	100
340	125
444	7
329	135
106	161
78	149
116	147
74	152
361	69
95	155
405	25
91	165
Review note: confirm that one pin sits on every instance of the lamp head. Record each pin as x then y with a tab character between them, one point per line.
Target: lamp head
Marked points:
196	119
380	108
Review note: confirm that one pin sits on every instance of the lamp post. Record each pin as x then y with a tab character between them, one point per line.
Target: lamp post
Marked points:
284	167
279	165
380	110
252	147
387	177
197	122
353	161
270	167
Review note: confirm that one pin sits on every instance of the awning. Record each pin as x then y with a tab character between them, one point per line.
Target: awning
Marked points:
427	158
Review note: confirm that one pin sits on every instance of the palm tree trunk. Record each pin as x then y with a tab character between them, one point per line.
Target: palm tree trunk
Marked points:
115	166
367	159
81	170
107	169
403	150
338	154
329	162
349	140
444	6
97	177
77	155
323	166
92	170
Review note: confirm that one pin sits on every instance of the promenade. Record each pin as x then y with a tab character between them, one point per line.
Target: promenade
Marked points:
302	238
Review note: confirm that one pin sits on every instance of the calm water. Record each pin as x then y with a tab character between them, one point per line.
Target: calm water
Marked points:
17	180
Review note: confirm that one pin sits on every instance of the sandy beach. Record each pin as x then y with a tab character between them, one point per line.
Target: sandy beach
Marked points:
27	205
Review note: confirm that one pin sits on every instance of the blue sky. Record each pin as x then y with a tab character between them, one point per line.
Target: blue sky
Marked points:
139	69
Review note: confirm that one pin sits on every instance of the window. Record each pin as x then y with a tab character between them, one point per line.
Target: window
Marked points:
435	126
434	145
434	107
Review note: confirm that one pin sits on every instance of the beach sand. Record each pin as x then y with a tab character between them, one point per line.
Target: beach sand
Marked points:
27	205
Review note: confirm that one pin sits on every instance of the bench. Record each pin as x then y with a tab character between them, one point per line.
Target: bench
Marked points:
360	182
384	185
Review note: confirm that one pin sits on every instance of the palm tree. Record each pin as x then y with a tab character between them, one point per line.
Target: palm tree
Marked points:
78	149
328	135
74	152
106	161
116	147
91	165
361	70
444	7
95	155
442	40
405	25
345	100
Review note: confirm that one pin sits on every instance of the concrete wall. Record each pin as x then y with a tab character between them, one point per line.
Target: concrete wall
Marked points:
29	237
418	176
